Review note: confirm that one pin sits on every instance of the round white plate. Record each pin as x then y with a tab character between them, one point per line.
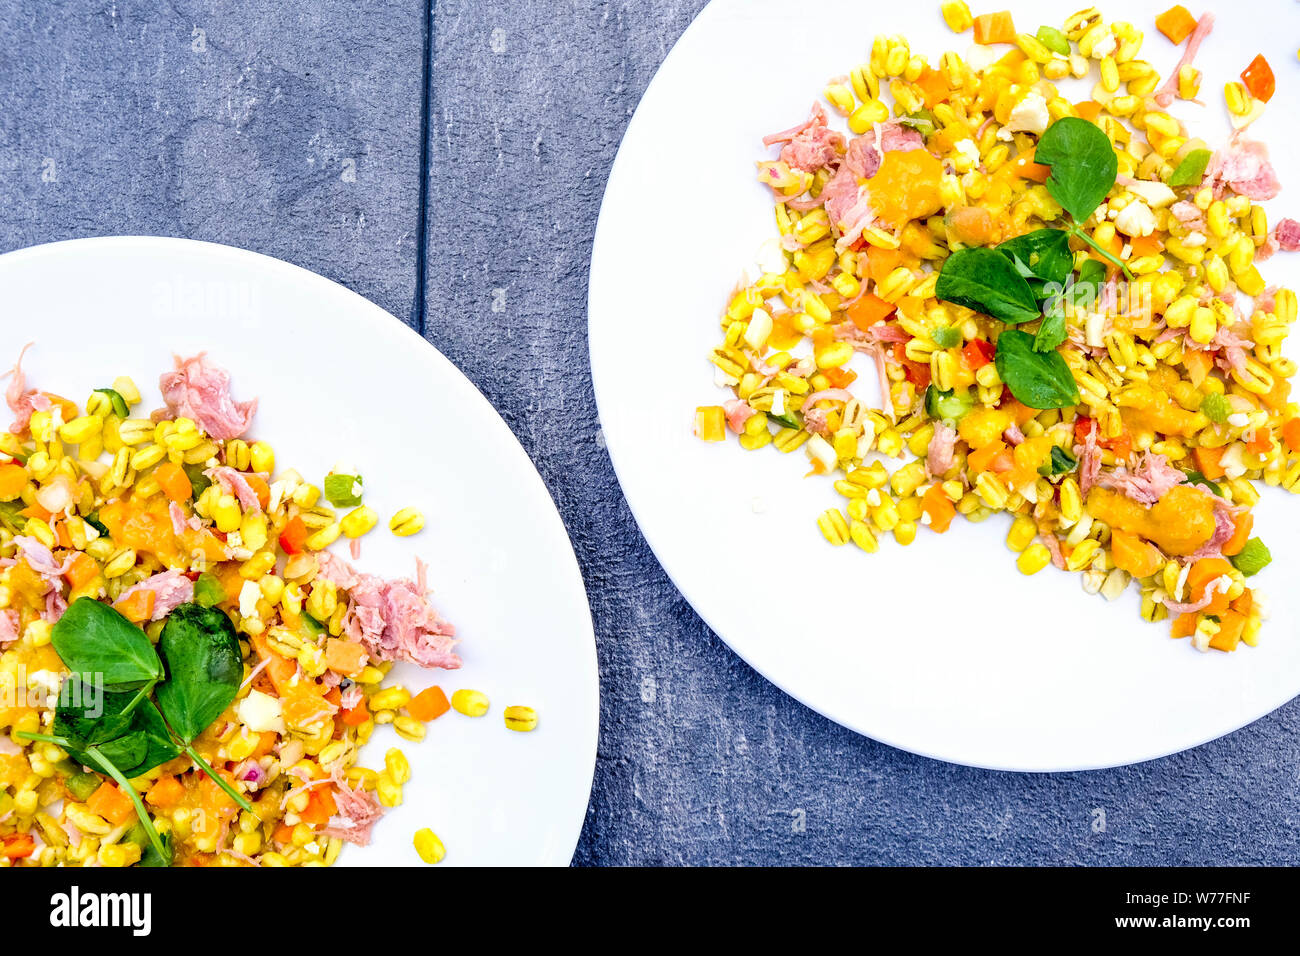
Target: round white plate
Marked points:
941	648
338	379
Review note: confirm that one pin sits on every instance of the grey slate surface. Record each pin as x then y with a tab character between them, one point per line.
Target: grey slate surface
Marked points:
701	761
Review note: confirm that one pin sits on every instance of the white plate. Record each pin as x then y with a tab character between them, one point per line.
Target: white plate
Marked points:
940	648
338	379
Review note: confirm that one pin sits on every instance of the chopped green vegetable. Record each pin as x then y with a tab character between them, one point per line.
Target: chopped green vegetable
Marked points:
946	337
1059	463
1053	39
947	406
11	517
120	408
1196	478
1191	170
1216	407
81	785
92	519
198	480
785	421
343	491
922	121
208	590
1252	559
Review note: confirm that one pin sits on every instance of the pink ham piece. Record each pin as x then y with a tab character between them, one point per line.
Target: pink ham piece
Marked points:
1147	483
1244	168
810	145
1287	234
938	457
897	138
393	620
1169	89
1014	435
236	483
1089	460
738	412
1053	546
170	588
359	811
22	401
8	627
201	391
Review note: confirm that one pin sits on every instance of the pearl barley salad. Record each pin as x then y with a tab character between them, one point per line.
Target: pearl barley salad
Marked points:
186	674
1061	297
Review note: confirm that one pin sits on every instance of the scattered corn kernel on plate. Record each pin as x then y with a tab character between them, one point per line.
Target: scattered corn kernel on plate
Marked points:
277	585
973	315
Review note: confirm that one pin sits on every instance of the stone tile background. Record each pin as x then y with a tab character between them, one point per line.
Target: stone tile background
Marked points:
302	130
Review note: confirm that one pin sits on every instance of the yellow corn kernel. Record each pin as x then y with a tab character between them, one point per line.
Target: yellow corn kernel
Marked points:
225	513
1203	325
1189	82
1237	99
991	490
520	718
429	847
322	539
388	791
834	526
121	562
1083	554
406	522
359	521
1022	533
261	457
861	535
905	532
81	429
711	423
1034	558
957	15
471	703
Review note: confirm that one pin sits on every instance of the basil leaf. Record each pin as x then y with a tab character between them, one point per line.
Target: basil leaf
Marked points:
204	668
1060	462
199	482
120	407
153	739
1043	253
1092	272
86	716
1037	379
1191	170
1051	333
93	639
1083	164
987	281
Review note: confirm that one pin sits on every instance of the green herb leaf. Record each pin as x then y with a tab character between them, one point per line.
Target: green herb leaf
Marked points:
1060	462
987	281
204	668
1196	478
1043	254
92	519
1191	170
1216	407
125	727
785	421
149	857
1252	559
1037	379
97	759
343	491
1051	333
94	640
1053	39
1092	271
120	408
88	716
1083	164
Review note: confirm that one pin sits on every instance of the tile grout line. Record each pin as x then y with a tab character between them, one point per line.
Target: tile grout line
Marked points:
421	226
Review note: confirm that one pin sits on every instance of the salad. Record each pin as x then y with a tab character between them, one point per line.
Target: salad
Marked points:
1058	288
186	673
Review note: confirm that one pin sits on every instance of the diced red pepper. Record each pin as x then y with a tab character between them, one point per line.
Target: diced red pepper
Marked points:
978	353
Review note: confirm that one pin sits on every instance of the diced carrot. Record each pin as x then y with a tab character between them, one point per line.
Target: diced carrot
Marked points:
265	744
279	669
166	792
13	479
303	706
1139	558
260	487
346	657
1020	412
294	536
429	704
320	806
1184	625
1258	78
1280	394
1242	526
283	834
1208	462
174	482
1262	442
869	310
981	459
936	503
36	511
840	377
1176	23
136	607
1244	604
1025	167
1199	577
356	716
1088	109
1198	366
995	28
1291	433
934	85
1146	246
17	846
111	803
881	262
1231	626
81	570
973	225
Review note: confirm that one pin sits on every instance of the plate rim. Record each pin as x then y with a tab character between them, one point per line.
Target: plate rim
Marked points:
380	318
